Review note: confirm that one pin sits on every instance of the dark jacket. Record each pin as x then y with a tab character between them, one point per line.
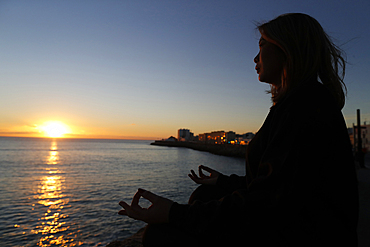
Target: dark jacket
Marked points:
300	187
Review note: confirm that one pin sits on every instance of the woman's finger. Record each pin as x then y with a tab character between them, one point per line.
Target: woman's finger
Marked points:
122	212
206	168
148	195
135	201
128	210
200	172
196	180
194	174
124	205
195	177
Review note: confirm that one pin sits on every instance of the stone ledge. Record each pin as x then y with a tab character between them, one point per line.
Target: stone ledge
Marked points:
133	241
219	149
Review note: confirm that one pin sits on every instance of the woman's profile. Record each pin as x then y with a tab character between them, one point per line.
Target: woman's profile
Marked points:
300	187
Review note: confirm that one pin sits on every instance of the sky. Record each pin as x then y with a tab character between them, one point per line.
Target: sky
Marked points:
144	69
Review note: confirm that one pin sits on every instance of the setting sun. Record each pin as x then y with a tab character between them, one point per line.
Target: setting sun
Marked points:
55	129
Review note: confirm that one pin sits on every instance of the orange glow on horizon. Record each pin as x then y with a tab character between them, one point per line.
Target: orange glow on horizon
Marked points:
61	128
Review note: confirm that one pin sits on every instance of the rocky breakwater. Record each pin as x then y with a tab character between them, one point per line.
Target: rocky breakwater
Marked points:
133	241
219	149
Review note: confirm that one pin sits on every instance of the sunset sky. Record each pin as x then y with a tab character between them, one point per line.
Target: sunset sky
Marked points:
143	69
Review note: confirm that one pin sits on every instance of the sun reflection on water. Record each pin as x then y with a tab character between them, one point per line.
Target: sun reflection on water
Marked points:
52	225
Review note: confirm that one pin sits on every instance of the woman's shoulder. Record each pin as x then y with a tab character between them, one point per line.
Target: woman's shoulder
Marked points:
309	104
309	96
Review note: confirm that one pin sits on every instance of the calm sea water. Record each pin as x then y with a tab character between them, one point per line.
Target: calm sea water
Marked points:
65	192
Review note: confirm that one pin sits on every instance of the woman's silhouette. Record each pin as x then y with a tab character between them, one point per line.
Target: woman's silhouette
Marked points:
300	187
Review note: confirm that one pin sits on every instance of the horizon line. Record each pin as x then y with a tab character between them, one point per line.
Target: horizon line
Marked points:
87	138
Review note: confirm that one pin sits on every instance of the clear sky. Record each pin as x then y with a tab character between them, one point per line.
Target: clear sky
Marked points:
143	69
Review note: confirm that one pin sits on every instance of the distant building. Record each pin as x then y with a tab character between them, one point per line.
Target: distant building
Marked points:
222	137
248	135
171	139
185	135
244	139
215	137
229	137
203	137
365	136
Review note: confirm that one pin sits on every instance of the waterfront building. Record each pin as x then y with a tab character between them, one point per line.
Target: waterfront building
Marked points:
185	135
222	137
365	136
171	139
215	137
203	137
229	137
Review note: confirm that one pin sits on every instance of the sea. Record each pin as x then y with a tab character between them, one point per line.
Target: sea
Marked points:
65	192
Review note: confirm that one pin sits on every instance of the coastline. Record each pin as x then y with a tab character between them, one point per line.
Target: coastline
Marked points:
218	149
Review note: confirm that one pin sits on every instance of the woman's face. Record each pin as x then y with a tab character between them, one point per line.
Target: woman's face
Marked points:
269	62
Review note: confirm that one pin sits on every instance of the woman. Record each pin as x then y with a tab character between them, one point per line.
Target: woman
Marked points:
300	187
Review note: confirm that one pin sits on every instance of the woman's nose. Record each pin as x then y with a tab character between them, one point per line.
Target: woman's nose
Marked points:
256	59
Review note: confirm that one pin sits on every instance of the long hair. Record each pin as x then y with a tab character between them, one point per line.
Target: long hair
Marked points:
310	54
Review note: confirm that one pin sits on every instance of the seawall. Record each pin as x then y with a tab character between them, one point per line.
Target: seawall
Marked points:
219	149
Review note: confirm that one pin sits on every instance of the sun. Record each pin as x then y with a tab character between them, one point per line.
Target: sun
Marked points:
55	129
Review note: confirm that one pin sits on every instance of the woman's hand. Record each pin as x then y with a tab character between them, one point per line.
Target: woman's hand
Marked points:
211	179
157	213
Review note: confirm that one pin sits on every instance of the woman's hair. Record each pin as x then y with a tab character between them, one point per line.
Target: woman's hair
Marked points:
310	54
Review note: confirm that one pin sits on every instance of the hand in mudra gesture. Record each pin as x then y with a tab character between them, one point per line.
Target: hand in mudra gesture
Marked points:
157	213
210	179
